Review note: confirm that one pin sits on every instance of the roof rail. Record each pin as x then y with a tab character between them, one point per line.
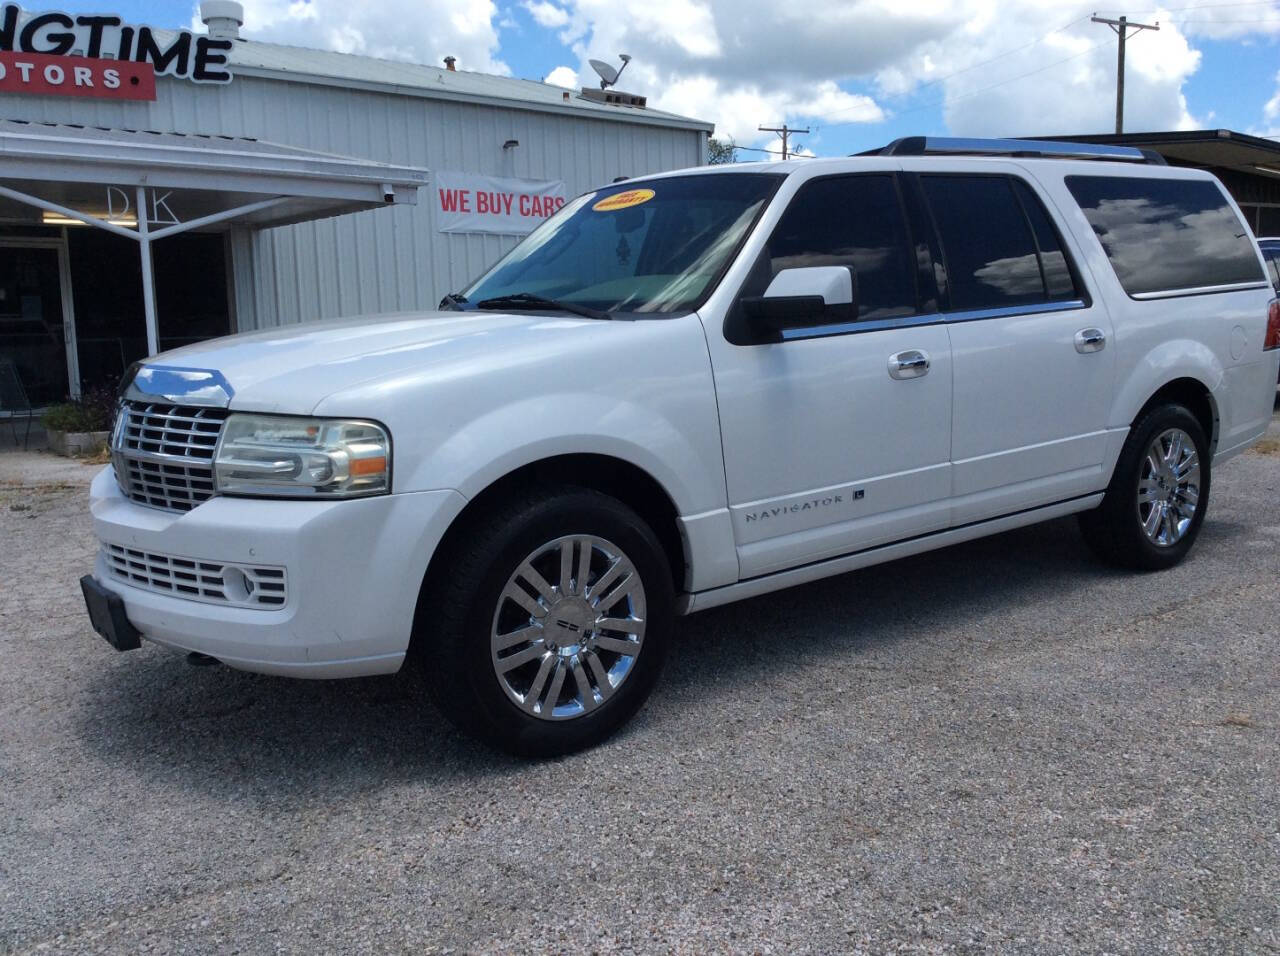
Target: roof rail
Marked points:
954	146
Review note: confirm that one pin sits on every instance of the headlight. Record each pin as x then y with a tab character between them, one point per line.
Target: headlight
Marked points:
278	456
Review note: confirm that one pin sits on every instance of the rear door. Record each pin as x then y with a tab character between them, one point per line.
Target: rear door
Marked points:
829	447
1033	362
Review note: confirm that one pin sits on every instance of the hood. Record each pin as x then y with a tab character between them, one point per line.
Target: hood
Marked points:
292	369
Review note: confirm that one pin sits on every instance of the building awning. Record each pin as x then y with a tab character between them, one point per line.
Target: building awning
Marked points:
219	172
1209	148
146	186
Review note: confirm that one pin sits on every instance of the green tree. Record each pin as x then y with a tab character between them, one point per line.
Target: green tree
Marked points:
720	151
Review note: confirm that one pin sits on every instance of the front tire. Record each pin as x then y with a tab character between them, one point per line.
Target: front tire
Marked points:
547	622
1156	502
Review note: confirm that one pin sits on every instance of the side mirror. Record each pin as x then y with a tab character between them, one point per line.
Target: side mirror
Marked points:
804	298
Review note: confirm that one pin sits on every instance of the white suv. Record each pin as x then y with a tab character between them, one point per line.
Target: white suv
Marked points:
683	391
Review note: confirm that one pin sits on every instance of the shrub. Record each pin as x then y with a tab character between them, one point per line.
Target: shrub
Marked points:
90	413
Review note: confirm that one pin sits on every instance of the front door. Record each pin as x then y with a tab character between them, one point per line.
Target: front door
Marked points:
35	330
828	446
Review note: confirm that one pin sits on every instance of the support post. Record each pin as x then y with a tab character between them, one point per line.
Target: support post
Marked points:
784	132
1121	29
1124	24
148	273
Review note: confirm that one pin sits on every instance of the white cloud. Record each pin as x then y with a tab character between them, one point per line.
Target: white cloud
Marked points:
1027	72
565	76
1272	110
546	14
1227	21
743	63
1015	67
421	31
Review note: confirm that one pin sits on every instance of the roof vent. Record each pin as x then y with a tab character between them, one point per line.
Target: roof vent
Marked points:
222	18
615	98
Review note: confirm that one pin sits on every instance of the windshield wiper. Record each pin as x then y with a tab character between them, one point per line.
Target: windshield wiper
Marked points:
527	300
452	300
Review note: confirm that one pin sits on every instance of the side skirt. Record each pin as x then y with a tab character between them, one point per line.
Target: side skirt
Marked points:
753	587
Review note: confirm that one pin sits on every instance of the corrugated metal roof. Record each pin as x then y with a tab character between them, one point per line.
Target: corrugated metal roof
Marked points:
289	184
299	64
196	151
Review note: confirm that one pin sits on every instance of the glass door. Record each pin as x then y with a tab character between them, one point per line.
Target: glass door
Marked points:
33	332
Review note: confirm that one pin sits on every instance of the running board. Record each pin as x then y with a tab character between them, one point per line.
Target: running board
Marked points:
701	601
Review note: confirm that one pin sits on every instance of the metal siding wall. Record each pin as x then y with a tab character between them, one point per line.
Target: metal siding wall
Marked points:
387	259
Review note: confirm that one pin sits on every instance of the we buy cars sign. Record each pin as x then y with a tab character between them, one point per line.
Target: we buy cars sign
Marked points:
507	207
47	75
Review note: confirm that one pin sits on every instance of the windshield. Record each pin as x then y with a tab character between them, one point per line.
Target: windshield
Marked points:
654	247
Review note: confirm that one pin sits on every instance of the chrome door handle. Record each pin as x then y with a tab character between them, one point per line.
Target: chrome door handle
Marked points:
909	364
1090	340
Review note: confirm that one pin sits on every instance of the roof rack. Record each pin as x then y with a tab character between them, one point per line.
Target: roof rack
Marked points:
1040	149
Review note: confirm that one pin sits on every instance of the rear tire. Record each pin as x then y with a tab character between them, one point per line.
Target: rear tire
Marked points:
546	623
1156	502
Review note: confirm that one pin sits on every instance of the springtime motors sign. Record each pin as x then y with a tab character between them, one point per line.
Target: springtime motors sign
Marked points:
106	37
76	76
508	207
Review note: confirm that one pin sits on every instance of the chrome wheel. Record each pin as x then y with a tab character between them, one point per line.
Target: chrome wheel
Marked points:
568	627
1169	487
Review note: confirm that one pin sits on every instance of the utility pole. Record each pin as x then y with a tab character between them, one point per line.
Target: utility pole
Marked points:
1121	29
784	131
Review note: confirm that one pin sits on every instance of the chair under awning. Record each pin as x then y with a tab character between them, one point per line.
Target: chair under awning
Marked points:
146	186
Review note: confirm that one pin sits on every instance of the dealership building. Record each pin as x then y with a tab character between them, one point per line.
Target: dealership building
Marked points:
158	187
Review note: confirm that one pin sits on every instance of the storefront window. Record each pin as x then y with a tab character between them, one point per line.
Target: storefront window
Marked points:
191	298
31	329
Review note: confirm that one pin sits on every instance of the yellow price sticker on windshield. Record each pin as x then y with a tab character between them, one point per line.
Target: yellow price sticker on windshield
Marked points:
624	200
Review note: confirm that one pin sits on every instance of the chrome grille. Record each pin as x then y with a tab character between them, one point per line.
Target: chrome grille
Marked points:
209	581
163	453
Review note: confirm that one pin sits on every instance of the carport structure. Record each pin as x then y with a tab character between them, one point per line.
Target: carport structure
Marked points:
1249	166
148	186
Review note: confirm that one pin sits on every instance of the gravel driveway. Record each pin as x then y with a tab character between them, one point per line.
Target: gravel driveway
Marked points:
999	746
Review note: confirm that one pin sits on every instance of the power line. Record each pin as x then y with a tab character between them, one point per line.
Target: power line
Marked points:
1210	6
964	96
772	152
974	66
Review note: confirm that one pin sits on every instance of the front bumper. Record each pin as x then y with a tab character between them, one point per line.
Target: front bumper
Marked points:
354	570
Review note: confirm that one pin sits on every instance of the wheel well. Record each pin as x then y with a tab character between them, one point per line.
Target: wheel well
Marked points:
1195	396
631	485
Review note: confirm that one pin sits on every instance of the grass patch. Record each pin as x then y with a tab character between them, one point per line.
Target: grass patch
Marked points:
1268	446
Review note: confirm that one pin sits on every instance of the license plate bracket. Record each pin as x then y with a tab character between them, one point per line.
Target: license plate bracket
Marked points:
107	614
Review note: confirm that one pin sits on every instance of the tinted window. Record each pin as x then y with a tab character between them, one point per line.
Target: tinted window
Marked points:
851	221
1271	255
652	246
1167	234
1058	281
987	244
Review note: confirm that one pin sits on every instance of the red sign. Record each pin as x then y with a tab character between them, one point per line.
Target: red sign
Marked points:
76	76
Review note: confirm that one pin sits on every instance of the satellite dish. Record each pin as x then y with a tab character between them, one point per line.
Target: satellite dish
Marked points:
608	75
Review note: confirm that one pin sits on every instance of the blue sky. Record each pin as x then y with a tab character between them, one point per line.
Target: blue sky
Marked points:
859	74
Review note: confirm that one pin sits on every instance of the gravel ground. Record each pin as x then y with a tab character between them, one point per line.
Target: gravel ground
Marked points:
999	746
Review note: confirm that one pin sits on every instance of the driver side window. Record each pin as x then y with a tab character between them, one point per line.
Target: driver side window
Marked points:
854	221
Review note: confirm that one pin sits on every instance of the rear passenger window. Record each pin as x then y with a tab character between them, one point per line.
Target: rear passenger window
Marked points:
851	221
991	254
1167	235
1058	281
1271	256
